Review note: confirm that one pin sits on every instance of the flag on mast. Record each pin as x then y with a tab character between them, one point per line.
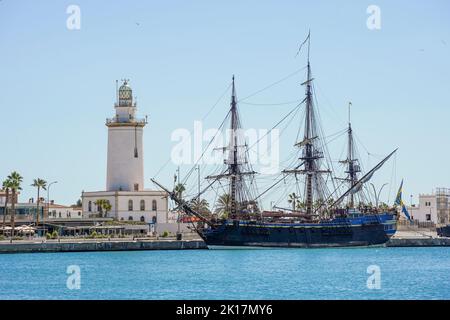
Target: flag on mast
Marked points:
303	43
399	202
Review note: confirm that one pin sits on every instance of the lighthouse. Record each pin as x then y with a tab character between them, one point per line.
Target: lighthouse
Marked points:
125	163
125	192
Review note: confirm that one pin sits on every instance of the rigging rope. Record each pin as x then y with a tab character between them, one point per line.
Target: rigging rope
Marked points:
204	117
273	84
272	104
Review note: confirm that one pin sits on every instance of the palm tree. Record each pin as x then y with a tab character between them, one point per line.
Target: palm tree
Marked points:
39	183
179	189
383	206
293	199
201	206
16	179
330	202
107	207
301	205
6	186
103	205
223	205
318	203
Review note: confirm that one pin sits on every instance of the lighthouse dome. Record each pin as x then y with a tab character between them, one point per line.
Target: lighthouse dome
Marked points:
125	94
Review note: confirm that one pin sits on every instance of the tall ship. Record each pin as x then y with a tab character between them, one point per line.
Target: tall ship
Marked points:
327	211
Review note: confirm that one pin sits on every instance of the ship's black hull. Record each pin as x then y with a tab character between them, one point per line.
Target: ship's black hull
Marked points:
443	231
321	235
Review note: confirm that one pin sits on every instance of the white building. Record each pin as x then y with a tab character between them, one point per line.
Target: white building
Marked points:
58	211
125	170
145	206
434	207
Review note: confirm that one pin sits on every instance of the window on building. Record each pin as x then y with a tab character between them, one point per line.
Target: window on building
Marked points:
428	217
90	206
142	205
121	219
136	187
130	218
59	214
154	219
142	219
130	205
154	206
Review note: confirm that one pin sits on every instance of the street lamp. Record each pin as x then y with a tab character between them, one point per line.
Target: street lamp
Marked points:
48	203
377	195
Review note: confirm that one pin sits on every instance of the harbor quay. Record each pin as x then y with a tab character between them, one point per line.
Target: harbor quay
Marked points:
86	245
36	245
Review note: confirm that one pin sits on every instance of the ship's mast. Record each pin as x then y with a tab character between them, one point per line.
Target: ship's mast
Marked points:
237	165
352	167
233	161
308	152
311	154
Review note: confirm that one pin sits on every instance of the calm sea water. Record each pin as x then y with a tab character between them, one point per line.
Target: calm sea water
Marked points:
405	273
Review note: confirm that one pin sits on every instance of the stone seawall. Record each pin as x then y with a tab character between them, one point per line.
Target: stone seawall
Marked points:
422	242
83	246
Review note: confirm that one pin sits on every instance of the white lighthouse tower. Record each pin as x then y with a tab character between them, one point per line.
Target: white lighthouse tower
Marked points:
125	193
125	165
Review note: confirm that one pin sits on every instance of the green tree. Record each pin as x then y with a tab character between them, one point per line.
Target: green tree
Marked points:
223	205
103	205
301	205
16	179
179	189
292	199
201	206
39	184
384	206
6	186
78	204
318	204
330	202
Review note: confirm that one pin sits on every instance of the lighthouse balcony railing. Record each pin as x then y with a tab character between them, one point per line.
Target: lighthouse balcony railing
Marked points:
125	104
126	120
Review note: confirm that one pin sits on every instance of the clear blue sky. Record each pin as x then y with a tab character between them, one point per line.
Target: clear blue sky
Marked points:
58	86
